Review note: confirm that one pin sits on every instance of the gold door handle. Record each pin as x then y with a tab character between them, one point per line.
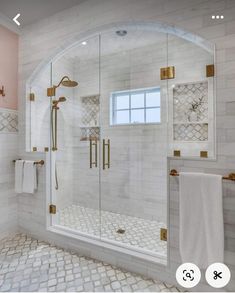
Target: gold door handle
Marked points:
104	155
93	143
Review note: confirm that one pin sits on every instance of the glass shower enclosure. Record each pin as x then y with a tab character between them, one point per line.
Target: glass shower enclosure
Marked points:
117	104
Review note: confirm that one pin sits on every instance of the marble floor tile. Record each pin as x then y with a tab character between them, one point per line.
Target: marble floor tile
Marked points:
27	264
138	232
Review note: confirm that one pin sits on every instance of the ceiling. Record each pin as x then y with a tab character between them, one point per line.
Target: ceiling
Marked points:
34	10
110	44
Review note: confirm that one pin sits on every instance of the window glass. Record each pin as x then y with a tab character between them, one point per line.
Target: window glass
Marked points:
122	117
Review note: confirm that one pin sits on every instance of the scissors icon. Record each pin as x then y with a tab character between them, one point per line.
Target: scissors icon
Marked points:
217	275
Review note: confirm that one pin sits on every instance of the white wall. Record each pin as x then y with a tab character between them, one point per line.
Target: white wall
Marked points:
192	15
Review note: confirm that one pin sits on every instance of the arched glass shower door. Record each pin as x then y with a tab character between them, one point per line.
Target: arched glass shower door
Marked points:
121	101
109	166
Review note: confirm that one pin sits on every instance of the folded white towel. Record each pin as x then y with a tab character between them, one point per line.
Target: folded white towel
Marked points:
201	219
19	166
30	177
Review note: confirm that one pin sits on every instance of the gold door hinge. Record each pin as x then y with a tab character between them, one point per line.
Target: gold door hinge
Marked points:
204	154
52	209
210	70
167	72
32	97
163	234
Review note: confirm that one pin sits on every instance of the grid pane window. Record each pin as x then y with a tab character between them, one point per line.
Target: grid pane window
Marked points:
136	107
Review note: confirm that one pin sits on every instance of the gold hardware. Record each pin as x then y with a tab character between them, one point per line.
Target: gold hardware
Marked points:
121	231
177	153
46	149
51	91
31	97
54	121
52	209
173	172
231	176
104	157
167	72
91	153
41	162
2	92
204	154
65	81
35	149
163	234
210	70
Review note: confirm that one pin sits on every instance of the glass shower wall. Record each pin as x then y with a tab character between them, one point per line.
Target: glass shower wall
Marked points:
38	114
134	139
75	162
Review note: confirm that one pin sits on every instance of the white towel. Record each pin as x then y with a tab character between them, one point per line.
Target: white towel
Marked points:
201	219
30	177
19	165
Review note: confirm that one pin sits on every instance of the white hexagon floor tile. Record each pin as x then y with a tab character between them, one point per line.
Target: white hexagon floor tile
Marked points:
27	264
138	232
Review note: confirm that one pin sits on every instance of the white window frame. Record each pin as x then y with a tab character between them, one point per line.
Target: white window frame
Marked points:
113	107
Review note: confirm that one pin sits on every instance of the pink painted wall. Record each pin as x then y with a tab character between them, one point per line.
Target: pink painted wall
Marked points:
9	68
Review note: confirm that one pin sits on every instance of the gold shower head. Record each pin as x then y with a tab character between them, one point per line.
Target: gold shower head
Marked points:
69	83
65	81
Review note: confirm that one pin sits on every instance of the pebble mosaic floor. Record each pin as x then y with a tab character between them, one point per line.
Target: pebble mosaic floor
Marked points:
27	264
139	232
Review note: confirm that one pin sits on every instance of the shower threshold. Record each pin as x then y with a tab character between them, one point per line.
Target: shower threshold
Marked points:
137	234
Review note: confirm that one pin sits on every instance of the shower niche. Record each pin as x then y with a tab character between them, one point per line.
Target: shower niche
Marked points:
90	129
112	177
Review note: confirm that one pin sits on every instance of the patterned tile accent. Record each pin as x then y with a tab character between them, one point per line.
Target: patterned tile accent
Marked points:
190	102
90	133
139	232
90	117
27	264
8	120
191	132
90	110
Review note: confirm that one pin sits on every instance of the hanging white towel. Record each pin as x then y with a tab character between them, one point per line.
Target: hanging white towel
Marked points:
30	177
201	219
19	168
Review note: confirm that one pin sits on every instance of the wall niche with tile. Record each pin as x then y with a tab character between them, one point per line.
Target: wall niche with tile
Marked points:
90	118
191	127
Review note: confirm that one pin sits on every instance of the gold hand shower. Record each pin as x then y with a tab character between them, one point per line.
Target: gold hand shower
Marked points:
54	121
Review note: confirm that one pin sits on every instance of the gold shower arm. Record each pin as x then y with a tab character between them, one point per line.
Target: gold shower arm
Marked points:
51	91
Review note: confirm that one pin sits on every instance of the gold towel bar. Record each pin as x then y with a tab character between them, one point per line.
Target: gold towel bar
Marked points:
231	176
41	162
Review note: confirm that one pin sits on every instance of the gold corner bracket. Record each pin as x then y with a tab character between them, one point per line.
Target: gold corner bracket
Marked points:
204	154
210	70
167	72
52	209
177	153
163	234
32	97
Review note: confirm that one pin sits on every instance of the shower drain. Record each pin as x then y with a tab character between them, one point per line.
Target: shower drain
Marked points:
121	231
